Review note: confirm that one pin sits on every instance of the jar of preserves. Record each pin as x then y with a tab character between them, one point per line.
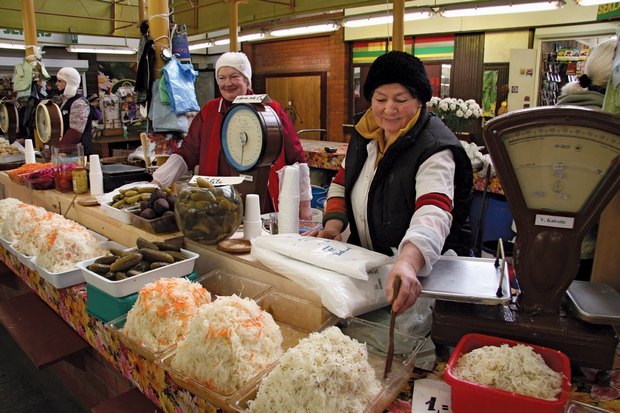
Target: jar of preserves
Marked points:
80	180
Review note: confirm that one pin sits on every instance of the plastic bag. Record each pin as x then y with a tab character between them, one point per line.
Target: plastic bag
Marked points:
180	80
340	257
343	296
163	118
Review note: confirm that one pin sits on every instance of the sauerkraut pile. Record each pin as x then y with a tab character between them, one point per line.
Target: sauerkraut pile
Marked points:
58	243
228	343
325	372
162	314
517	369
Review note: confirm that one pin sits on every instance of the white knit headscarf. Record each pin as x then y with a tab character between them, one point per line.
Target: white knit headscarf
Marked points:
597	67
236	60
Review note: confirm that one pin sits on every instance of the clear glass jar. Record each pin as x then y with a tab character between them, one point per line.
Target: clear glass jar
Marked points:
65	160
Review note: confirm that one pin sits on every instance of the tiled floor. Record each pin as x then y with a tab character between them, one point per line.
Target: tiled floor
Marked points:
24	389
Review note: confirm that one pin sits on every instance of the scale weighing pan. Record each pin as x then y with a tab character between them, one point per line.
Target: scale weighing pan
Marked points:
466	279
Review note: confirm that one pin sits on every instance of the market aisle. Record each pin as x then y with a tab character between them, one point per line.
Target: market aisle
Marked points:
24	389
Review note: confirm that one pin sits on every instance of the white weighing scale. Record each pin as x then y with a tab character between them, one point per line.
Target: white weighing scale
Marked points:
559	167
252	141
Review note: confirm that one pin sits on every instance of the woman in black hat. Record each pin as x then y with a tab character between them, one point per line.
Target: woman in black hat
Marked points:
405	185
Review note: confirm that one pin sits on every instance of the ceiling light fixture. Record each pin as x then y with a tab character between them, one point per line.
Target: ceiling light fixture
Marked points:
485	10
302	30
100	49
594	2
201	45
16	46
243	38
376	19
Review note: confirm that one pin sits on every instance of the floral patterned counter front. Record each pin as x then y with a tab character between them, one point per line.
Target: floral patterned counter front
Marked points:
148	376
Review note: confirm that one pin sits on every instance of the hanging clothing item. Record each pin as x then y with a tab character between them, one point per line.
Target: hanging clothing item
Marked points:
144	74
180	44
22	80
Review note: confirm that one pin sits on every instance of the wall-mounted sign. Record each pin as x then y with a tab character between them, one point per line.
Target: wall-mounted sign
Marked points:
610	11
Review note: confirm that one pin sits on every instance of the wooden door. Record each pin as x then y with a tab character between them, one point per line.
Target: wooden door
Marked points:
301	98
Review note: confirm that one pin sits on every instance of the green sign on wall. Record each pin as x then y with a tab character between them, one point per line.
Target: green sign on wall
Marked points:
609	11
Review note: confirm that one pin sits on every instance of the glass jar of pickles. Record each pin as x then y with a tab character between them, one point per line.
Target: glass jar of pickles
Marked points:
65	160
208	214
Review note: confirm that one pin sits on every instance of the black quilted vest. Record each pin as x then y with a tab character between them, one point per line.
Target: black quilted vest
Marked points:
391	198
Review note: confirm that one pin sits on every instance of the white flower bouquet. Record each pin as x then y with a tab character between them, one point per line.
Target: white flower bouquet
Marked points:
457	114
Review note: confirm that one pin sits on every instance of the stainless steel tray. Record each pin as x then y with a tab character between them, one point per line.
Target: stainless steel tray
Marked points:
466	279
596	303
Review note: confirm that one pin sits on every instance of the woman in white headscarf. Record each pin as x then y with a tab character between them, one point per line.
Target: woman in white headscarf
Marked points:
75	110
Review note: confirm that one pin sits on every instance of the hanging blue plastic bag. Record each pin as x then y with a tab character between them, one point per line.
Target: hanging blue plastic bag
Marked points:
180	80
162	117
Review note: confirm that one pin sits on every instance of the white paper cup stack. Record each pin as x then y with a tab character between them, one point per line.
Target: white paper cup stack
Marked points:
288	200
252	225
95	177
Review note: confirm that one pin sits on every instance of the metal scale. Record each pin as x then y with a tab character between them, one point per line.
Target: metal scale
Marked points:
252	141
559	167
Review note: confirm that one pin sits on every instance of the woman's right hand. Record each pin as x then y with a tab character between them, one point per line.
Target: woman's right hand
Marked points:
332	230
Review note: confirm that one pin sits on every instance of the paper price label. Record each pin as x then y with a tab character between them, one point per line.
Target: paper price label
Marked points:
430	395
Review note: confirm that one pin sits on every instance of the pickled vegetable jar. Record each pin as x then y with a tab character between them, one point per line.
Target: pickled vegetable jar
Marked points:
209	214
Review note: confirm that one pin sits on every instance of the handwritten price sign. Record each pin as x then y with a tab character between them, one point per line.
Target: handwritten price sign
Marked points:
430	395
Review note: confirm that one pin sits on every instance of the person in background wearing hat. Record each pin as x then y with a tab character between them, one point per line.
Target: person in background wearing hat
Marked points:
75	110
405	185
202	145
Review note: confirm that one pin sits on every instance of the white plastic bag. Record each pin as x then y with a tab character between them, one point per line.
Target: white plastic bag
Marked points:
337	256
343	296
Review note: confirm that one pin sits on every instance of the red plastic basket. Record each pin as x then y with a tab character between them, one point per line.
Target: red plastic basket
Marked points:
468	397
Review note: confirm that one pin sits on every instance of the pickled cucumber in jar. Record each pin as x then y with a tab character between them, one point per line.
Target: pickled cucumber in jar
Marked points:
209	214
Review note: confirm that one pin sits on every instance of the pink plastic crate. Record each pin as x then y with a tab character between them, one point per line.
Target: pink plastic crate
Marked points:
468	397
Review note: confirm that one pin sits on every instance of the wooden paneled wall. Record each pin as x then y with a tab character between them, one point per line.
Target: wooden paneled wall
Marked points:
467	69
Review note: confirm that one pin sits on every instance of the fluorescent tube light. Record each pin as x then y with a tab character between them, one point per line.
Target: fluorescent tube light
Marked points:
594	2
301	30
100	49
502	9
16	46
376	20
243	38
201	45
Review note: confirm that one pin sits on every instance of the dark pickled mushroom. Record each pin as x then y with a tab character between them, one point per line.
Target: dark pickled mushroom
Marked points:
148	213
160	206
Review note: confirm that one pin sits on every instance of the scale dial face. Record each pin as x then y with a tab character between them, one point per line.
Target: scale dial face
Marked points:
4	118
558	167
246	139
48	121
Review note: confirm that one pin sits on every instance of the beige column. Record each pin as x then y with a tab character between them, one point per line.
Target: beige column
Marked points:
159	28
233	25
398	26
30	29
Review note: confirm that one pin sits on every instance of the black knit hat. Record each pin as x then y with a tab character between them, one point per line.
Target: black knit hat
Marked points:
399	67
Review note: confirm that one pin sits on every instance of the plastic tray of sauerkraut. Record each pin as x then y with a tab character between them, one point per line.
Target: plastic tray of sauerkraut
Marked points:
217	283
297	318
375	337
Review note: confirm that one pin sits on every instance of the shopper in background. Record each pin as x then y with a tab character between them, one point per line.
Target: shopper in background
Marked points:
202	145
589	91
75	110
406	183
95	110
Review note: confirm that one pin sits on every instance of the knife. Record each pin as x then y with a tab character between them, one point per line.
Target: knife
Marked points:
390	353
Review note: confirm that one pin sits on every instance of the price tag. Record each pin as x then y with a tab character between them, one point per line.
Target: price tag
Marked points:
264	98
430	395
219	180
